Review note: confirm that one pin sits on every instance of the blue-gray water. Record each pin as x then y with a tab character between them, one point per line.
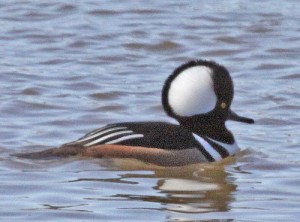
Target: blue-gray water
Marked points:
68	67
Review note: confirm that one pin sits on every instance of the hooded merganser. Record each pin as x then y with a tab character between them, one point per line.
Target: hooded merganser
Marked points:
198	94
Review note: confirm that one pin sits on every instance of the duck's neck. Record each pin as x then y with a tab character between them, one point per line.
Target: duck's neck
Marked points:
212	128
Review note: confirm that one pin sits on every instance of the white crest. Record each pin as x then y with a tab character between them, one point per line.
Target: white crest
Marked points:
192	92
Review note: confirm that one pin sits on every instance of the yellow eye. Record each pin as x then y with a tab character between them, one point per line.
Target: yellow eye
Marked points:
223	105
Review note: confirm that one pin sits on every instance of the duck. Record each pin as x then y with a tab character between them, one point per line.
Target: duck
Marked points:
198	95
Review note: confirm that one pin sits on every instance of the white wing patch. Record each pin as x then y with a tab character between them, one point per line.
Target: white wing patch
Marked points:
110	134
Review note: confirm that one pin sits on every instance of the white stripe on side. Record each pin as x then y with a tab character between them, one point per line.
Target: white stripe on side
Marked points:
107	137
105	130
98	130
231	148
125	138
208	147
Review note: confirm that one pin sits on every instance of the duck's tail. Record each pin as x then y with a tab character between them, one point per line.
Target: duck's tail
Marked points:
60	152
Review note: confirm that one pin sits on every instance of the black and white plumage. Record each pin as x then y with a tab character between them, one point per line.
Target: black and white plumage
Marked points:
198	95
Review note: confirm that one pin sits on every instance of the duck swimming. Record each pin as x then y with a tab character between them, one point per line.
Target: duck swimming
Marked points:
198	94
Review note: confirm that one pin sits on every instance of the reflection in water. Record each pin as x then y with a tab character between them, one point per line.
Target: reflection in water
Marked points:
191	189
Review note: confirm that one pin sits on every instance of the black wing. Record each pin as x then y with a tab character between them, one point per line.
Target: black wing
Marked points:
146	134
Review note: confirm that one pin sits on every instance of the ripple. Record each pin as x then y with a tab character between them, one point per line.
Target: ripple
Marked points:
281	50
66	8
111	108
31	91
260	29
79	44
292	76
221	52
103	12
145	11
55	62
106	95
161	46
270	14
270	66
274	122
35	105
81	86
230	40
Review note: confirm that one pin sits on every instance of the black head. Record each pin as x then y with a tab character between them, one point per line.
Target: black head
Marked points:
198	93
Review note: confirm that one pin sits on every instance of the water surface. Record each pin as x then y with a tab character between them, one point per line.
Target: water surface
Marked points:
70	67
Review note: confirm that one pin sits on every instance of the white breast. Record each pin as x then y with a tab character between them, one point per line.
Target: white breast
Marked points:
231	148
192	92
214	154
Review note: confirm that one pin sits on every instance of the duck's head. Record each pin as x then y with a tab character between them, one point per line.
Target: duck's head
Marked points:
201	92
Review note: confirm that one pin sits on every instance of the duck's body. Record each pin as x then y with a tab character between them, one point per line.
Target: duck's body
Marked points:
198	95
